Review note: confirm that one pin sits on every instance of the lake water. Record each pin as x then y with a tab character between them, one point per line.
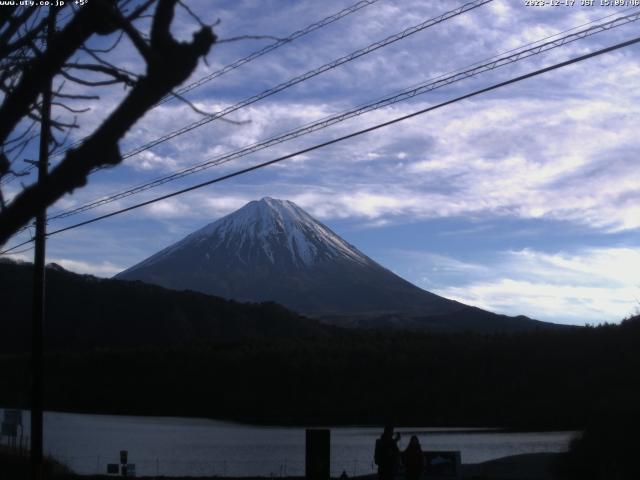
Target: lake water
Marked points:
197	447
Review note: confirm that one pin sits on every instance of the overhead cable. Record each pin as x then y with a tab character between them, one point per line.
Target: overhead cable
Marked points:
344	137
354	112
310	74
257	54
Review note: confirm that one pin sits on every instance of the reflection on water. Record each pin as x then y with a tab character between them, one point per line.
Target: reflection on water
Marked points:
188	446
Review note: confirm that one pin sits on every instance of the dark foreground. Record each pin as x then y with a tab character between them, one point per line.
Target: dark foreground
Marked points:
607	450
535	466
520	467
545	380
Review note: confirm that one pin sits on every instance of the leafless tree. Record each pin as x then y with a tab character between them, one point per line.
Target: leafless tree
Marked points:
28	63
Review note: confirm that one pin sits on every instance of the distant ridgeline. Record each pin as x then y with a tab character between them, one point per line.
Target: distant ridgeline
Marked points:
127	347
85	312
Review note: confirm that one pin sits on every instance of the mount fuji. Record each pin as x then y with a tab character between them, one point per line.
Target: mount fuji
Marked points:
272	250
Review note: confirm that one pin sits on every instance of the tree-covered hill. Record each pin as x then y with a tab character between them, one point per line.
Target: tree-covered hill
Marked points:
543	379
85	312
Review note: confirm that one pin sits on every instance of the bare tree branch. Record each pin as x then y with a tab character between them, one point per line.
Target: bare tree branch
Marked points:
169	63
137	13
207	114
192	15
89	83
6	15
134	35
117	74
107	49
70	109
27	39
14	24
42	68
76	97
21	136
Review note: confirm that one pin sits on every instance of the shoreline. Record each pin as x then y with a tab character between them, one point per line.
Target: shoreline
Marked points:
531	466
252	422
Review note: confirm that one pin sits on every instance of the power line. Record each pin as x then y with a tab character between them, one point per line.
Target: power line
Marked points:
9	250
252	56
24	250
232	66
548	37
255	55
310	74
346	137
8	178
357	111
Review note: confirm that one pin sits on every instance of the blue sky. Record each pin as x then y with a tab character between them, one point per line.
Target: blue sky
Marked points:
525	200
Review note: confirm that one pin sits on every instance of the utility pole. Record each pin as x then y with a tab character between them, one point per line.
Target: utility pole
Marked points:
37	321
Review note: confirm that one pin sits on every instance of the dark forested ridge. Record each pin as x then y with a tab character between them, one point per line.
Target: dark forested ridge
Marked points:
85	312
127	347
543	379
466	319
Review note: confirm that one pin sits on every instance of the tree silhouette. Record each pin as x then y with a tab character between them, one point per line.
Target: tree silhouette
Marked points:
28	63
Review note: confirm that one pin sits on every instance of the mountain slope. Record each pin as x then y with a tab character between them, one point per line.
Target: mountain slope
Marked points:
273	250
85	312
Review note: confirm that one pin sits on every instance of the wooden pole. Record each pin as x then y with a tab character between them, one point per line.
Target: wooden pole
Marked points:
37	343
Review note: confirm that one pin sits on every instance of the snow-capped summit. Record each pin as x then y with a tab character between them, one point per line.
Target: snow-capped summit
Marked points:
269	223
277	231
272	250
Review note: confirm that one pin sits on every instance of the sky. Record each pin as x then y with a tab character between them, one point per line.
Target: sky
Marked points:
524	200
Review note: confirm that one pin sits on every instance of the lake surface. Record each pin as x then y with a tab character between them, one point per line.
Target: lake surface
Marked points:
197	447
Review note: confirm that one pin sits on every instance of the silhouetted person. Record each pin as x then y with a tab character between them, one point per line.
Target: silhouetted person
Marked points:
344	475
387	454
413	459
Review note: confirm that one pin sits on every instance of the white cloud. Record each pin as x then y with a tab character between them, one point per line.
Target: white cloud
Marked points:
170	208
526	158
556	303
99	269
103	268
592	286
199	205
438	262
148	160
